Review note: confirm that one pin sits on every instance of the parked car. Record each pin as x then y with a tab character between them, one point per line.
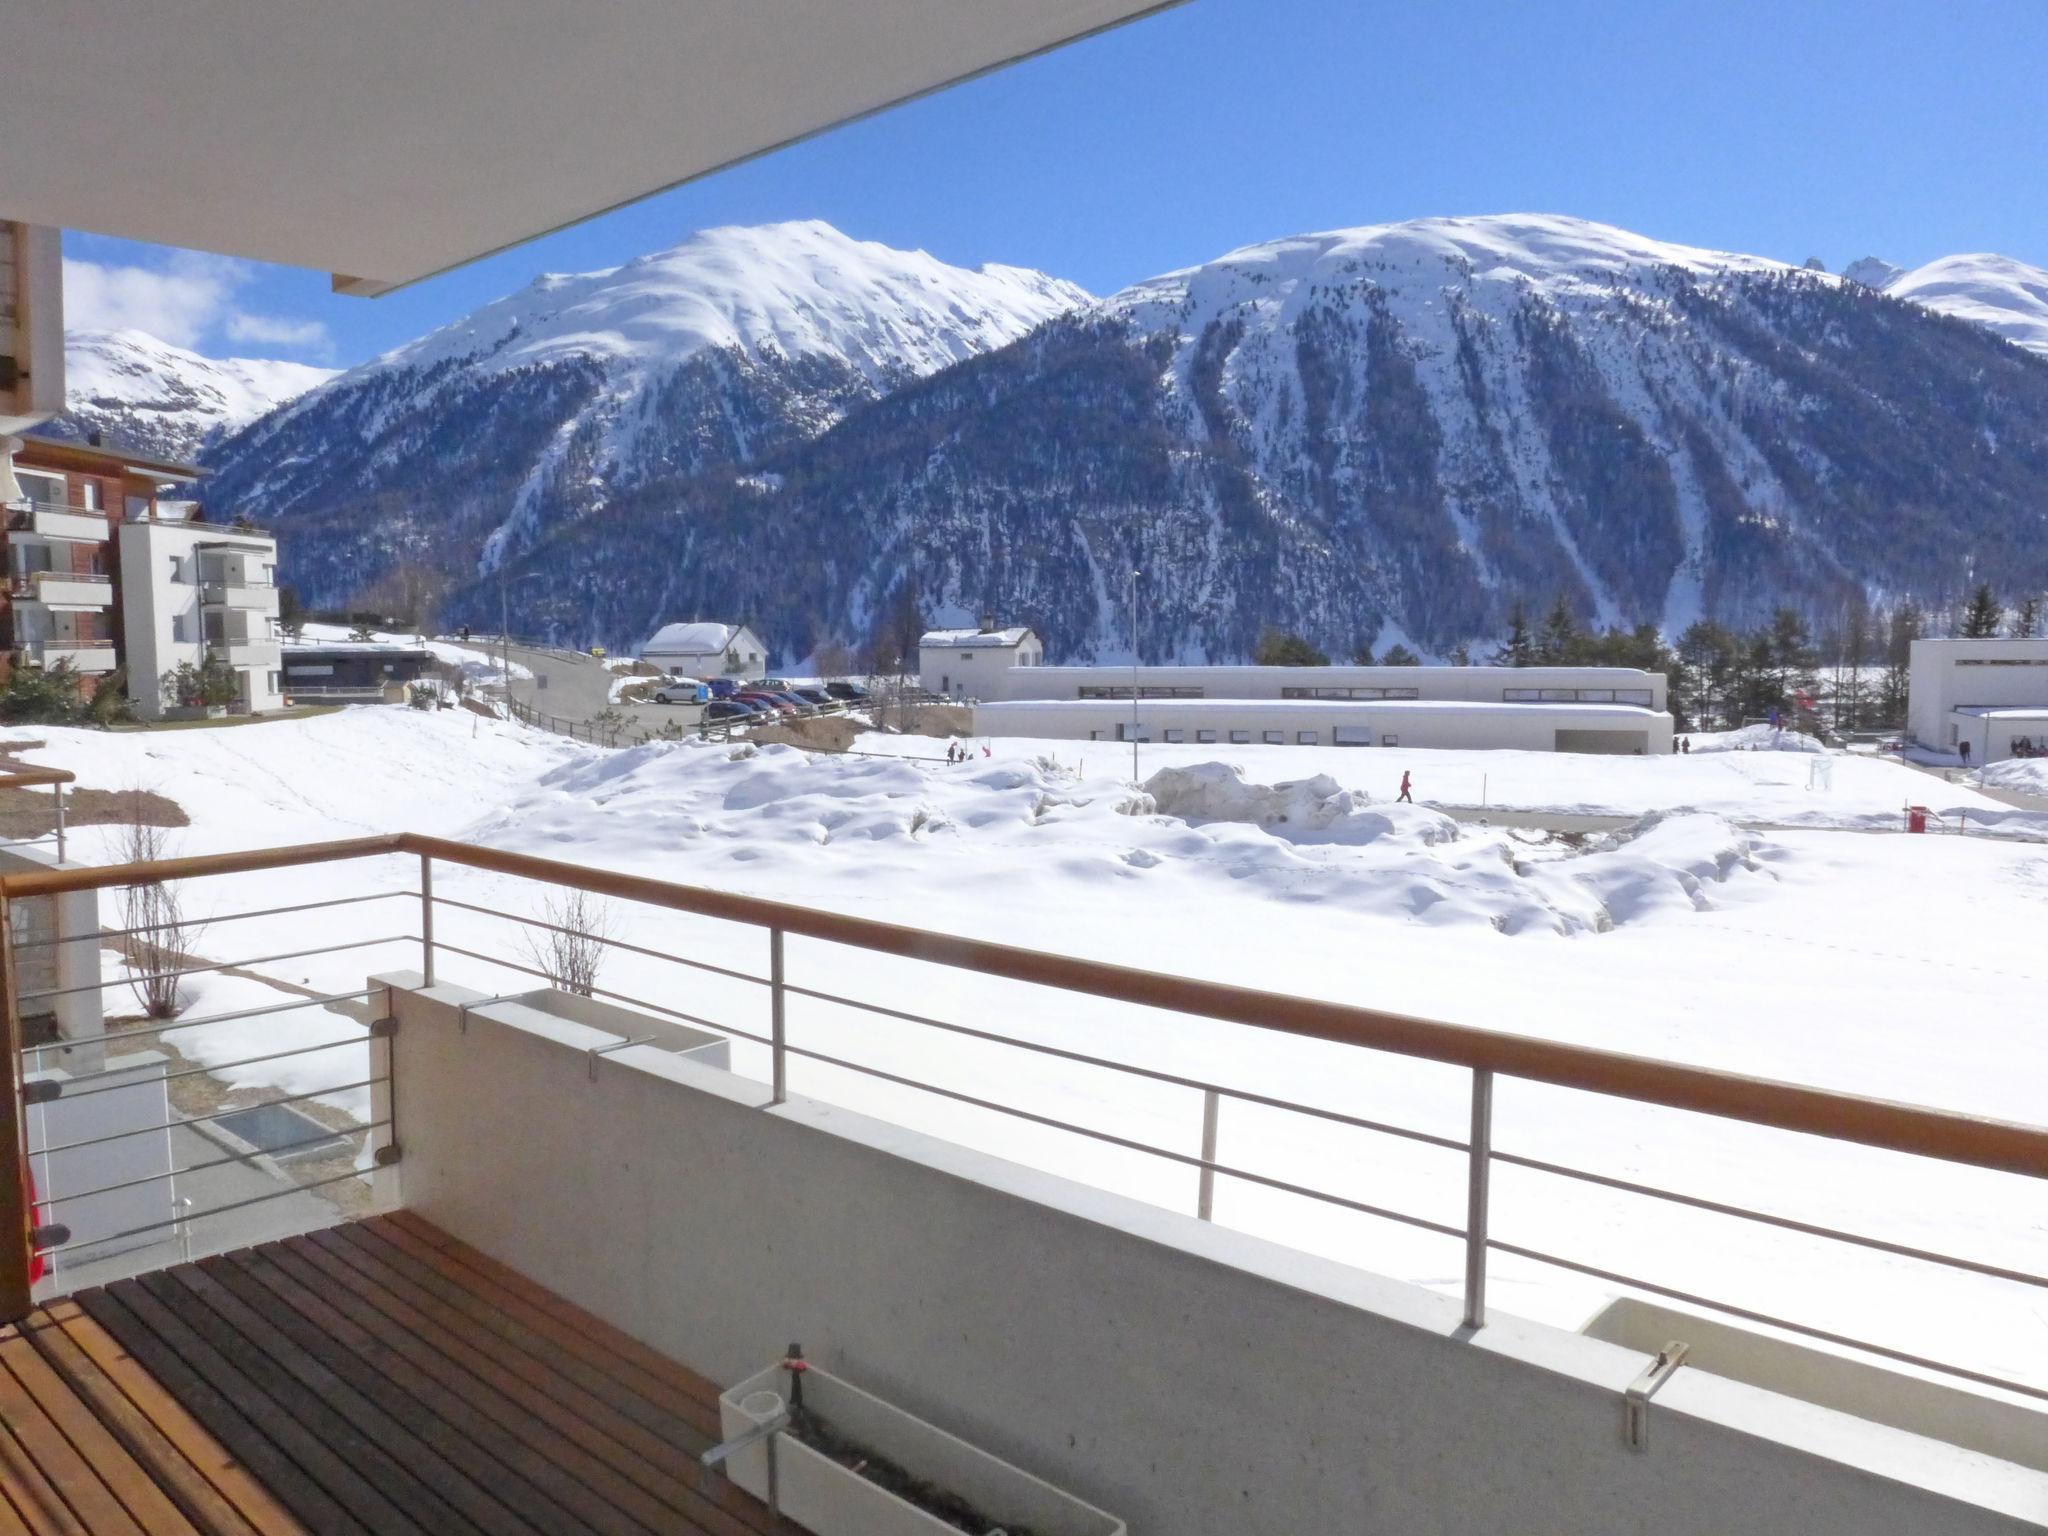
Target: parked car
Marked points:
681	690
851	693
816	697
723	687
772	701
729	712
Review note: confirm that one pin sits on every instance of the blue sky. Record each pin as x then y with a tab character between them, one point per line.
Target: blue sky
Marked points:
1829	128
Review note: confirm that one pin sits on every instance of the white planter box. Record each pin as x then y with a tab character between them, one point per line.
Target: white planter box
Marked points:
830	1500
631	1024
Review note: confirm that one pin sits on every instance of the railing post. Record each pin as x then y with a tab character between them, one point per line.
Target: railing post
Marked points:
1480	1166
1205	1199
427	919
15	1215
779	1065
60	821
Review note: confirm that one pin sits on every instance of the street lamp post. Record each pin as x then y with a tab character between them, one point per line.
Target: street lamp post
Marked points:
1134	679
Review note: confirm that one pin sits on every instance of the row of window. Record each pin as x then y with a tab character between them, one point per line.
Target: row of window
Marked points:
2002	661
1343	736
1350	693
1642	696
1144	693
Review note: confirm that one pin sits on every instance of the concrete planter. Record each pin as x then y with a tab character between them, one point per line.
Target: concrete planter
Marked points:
830	1500
631	1024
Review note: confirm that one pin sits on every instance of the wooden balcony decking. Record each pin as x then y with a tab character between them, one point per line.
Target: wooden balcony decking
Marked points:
378	1377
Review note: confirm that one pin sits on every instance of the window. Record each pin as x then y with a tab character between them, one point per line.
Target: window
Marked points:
1390	740
1175	737
91	497
1352	736
1101	691
1276	738
1240	738
1305	738
1350	693
1206	738
277	682
2002	661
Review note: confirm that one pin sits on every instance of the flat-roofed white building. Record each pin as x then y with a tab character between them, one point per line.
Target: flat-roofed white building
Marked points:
1470	685
1992	694
190	590
1472	725
971	663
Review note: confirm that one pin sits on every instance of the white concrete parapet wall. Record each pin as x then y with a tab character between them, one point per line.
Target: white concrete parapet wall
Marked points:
1198	1381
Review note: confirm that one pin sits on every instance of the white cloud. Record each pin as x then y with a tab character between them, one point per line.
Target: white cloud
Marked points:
188	299
276	331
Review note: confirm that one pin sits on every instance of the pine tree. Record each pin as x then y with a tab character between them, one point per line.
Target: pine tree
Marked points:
1705	668
1277	648
1905	626
1984	617
2026	619
1560	641
1518	650
1400	656
1851	650
1361	655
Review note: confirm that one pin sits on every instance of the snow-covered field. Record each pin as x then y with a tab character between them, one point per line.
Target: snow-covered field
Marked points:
1752	923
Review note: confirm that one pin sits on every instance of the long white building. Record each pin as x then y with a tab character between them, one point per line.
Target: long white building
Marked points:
1539	709
1992	694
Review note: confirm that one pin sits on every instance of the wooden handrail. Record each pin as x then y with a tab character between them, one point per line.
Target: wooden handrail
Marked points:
26	774
1946	1134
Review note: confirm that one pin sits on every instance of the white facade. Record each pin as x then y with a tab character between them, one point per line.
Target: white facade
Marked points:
192	589
1992	694
1465	685
971	663
1622	729
707	650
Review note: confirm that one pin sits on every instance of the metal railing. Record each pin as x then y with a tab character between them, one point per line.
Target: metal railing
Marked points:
1487	1057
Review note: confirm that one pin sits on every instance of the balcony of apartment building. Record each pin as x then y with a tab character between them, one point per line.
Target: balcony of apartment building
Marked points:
57	512
238	575
59	577
243	636
512	1211
81	641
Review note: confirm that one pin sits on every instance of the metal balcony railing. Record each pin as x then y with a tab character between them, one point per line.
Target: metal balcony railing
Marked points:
812	1023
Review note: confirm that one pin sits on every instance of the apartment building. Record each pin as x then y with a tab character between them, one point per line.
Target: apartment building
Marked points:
195	591
963	663
1989	696
63	592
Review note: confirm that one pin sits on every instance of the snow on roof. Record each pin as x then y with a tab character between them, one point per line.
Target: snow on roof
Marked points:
2003	711
963	639
699	639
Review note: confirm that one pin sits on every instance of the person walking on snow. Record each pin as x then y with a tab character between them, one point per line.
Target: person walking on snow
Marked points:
1406	797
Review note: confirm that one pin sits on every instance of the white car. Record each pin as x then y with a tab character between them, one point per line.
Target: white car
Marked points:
679	690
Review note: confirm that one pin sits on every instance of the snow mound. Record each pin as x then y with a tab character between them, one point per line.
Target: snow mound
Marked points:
780	820
1316	808
1754	738
2021	775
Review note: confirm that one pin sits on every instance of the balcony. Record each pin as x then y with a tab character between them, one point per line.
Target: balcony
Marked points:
59	522
246	650
556	1216
94	658
64	591
239	596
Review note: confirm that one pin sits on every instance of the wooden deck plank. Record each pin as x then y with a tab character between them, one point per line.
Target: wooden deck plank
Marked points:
597	1443
643	1361
175	1471
174	1443
217	1398
31	1495
538	1431
70	1474
406	1470
375	1379
657	1407
344	1461
130	1483
625	1357
501	1499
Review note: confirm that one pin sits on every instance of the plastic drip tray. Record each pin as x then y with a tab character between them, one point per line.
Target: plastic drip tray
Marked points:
280	1132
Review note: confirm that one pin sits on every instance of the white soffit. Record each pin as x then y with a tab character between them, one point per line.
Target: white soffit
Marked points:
386	140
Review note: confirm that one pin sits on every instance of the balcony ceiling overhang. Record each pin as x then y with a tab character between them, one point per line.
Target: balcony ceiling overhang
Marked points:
387	140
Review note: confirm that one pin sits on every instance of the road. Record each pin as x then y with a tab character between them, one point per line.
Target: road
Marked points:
576	687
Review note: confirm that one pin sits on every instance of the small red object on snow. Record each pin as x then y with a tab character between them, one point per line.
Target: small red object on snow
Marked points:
1916	818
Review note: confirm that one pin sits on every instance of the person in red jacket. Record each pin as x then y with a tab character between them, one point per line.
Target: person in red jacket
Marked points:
1406	797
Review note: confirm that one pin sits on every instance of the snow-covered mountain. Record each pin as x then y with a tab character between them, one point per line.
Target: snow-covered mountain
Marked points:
471	443
1391	432
1996	292
164	400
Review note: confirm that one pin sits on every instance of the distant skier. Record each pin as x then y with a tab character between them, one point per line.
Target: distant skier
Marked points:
984	752
1407	798
1963	751
1687	747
